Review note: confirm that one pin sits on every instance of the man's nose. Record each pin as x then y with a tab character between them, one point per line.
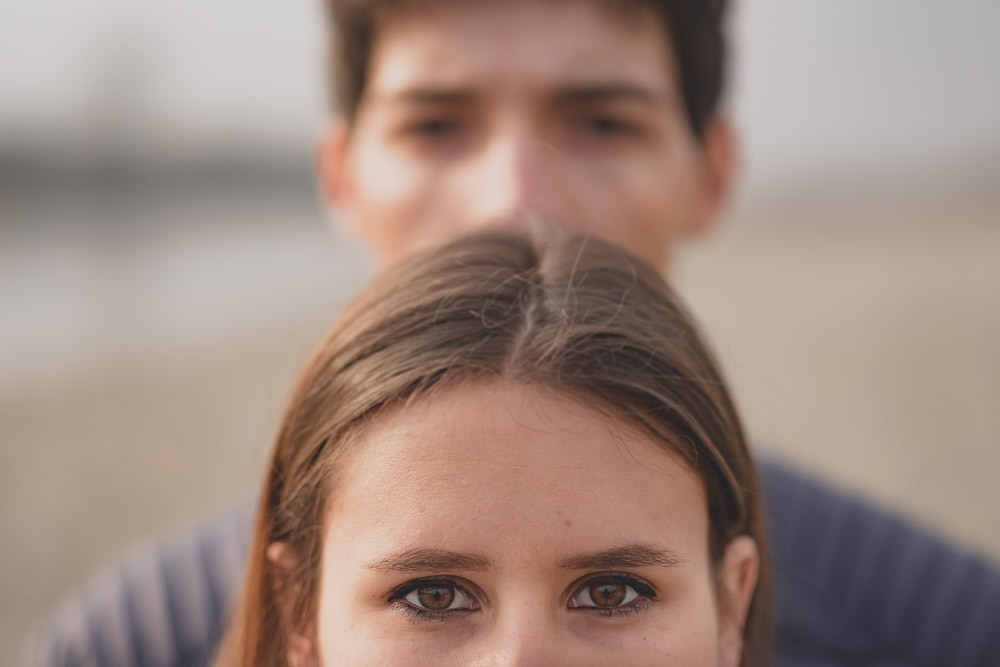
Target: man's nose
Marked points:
516	175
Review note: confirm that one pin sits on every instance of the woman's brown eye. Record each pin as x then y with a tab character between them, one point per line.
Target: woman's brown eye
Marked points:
439	596
436	597
608	593
616	591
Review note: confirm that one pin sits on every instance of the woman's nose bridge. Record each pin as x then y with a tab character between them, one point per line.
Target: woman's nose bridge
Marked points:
526	634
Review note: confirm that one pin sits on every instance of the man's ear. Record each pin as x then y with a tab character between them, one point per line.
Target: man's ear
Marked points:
720	149
737	578
301	639
335	181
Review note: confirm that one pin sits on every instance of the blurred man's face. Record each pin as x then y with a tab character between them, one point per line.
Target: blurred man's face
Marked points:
481	111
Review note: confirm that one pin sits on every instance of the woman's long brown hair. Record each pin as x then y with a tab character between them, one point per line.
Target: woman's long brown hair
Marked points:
571	314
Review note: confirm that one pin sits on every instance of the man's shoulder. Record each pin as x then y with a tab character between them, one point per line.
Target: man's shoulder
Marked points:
858	585
163	603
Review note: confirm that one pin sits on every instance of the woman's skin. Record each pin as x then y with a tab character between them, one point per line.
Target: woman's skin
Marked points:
497	524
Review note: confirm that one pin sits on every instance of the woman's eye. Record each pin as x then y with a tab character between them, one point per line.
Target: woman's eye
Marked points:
436	596
610	592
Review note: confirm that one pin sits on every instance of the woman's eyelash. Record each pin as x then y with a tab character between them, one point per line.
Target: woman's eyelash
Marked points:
412	585
644	596
398	600
405	589
417	615
635	582
638	584
619	613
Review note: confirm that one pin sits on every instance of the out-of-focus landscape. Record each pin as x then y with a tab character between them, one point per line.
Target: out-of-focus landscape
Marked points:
166	266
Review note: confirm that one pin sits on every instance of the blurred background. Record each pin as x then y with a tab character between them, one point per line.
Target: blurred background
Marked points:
165	265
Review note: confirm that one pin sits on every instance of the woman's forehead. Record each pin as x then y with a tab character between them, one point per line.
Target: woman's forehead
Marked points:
484	465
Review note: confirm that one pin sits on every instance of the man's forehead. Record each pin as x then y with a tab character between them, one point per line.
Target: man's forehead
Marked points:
478	46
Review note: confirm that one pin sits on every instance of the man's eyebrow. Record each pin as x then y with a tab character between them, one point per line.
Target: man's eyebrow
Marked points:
610	92
426	560
429	95
637	554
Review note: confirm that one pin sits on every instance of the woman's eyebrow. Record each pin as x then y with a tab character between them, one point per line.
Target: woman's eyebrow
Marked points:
424	560
636	554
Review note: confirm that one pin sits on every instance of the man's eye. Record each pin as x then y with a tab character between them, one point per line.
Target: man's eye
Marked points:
607	126
434	128
611	592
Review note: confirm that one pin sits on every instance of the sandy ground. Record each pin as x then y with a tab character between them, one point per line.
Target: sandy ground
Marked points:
865	352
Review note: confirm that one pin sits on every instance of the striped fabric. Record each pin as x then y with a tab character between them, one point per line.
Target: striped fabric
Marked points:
853	586
165	604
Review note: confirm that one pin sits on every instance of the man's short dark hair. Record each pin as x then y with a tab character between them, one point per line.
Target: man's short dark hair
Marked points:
694	31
